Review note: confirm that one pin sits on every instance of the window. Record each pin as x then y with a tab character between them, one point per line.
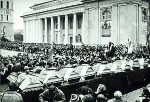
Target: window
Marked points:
144	14
71	40
106	15
7	4
7	17
1	4
1	17
79	38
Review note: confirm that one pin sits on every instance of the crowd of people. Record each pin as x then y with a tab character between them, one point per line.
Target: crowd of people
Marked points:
42	55
83	94
52	55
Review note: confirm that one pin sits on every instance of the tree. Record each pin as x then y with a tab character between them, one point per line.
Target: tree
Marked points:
18	36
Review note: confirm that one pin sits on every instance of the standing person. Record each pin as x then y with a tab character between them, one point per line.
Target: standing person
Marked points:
130	49
52	94
101	90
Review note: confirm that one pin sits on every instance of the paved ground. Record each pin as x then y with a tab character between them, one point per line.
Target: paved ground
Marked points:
132	96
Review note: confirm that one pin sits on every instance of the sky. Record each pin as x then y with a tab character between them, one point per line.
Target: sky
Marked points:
21	6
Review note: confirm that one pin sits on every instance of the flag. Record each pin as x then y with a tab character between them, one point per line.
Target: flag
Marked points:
50	58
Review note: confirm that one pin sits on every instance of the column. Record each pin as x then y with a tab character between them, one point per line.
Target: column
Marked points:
59	30
83	29
40	30
36	31
38	38
52	29
66	29
74	27
29	32
86	33
45	38
25	32
114	25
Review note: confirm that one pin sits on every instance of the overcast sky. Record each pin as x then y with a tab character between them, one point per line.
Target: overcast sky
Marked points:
21	6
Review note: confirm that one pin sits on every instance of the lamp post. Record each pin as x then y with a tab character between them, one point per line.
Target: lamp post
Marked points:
4	31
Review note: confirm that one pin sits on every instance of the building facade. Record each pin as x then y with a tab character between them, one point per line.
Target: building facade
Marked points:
6	19
87	21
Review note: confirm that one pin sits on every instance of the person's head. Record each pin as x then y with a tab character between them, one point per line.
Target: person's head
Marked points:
117	94
88	98
52	88
101	88
101	98
146	92
74	98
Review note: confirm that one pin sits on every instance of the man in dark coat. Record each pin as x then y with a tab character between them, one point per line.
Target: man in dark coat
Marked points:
52	94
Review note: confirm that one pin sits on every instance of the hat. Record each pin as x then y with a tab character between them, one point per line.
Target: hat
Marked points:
101	88
100	97
118	94
74	97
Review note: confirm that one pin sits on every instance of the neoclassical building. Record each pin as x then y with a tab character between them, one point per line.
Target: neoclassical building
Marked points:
6	18
87	21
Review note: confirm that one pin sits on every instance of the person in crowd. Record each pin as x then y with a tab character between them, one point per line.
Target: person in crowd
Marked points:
117	97
101	98
112	50
84	90
52	94
101	90
82	98
76	98
145	96
11	95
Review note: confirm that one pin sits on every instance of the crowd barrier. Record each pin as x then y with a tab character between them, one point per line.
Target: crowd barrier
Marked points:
123	81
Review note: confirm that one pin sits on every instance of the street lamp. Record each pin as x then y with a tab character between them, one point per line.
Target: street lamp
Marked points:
3	36
4	31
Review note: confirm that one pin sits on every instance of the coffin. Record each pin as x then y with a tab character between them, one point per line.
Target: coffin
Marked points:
50	77
101	69
86	72
69	74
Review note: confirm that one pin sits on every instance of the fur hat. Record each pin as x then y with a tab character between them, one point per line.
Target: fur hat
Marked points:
118	94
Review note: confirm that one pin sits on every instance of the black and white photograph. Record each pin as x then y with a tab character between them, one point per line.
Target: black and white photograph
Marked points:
74	50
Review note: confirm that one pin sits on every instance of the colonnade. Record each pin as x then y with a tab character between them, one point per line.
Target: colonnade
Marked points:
49	29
